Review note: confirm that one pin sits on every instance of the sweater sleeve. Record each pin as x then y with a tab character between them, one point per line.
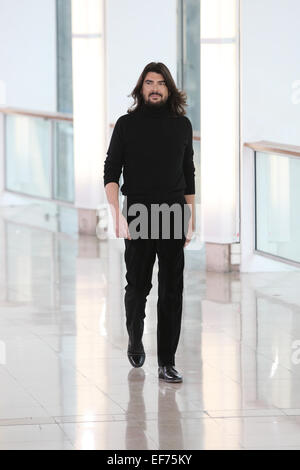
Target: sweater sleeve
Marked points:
114	161
188	162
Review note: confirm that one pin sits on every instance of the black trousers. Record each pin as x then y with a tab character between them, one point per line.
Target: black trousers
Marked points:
140	256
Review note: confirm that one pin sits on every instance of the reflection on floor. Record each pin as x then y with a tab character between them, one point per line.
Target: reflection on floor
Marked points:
65	379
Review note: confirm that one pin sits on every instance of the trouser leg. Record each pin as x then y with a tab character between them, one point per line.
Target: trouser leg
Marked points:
139	258
170	292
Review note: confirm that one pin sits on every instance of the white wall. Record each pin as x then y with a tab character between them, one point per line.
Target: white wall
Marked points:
138	32
28	54
270	52
270	67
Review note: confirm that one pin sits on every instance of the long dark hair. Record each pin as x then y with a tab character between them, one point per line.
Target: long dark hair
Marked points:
177	98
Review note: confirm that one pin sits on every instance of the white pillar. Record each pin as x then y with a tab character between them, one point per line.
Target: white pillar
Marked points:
220	128
89	101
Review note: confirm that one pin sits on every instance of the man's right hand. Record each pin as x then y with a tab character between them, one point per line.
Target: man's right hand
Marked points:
121	227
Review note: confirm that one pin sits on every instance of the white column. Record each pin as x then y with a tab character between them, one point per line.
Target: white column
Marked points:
220	127
89	101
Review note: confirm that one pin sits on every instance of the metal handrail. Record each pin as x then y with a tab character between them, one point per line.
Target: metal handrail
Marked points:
273	147
37	114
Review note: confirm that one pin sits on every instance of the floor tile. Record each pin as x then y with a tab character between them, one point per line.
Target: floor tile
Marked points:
65	379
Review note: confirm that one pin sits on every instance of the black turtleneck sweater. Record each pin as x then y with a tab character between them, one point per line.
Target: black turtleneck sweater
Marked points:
155	150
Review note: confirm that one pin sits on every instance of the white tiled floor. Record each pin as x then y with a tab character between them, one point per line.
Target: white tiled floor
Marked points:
65	379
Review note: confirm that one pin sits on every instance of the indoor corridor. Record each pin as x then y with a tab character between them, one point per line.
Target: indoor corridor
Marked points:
65	379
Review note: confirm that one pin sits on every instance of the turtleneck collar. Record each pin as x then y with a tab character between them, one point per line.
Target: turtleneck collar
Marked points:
153	111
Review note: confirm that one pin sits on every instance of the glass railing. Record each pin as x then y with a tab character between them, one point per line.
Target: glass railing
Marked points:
38	154
277	196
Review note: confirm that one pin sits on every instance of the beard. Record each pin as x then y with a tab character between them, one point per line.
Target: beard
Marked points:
154	104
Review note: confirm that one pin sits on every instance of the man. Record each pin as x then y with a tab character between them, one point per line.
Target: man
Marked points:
152	143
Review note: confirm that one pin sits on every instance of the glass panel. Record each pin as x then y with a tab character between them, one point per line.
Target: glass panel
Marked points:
64	57
277	205
189	30
64	165
189	73
189	80
28	158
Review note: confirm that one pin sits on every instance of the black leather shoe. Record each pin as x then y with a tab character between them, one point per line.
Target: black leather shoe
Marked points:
169	374
136	355
136	360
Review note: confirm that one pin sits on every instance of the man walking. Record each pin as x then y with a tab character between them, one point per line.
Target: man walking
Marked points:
152	144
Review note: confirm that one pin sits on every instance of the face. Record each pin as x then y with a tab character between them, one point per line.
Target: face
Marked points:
154	89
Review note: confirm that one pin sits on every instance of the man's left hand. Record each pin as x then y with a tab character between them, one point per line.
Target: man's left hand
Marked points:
190	233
